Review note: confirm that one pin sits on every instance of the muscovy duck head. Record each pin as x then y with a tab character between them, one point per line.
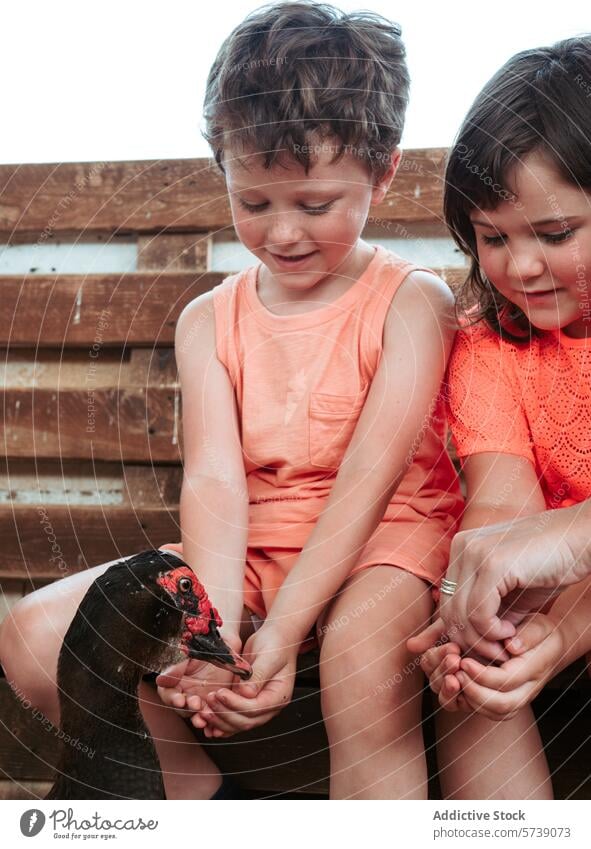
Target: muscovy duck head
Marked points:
159	596
201	638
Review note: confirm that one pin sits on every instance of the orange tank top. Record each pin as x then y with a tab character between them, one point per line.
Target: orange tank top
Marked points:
300	383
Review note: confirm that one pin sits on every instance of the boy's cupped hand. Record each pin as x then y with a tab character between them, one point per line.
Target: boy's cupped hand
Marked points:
497	692
248	704
184	685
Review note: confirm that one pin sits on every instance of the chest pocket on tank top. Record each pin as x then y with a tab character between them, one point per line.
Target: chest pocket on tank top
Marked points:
332	422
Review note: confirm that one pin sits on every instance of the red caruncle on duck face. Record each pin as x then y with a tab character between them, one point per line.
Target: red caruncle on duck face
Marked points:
200	638
190	596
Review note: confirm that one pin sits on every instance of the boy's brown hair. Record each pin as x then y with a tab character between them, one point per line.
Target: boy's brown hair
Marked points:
296	72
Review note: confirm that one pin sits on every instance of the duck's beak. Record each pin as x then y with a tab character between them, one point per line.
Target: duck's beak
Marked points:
212	648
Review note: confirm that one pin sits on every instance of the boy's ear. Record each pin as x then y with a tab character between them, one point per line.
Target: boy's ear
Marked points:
381	187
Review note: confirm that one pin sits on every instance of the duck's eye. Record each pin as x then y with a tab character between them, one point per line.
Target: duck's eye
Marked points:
185	585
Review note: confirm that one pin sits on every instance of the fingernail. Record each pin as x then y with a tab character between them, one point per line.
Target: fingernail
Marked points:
516	643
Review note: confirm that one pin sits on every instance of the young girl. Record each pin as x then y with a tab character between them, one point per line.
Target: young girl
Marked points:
518	202
317	492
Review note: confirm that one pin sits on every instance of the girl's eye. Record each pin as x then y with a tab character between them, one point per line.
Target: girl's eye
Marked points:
311	210
556	238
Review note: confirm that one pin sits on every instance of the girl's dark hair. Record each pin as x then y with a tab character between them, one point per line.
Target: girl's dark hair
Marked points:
539	101
294	69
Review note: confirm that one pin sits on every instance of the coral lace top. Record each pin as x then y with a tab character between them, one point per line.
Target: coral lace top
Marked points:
531	399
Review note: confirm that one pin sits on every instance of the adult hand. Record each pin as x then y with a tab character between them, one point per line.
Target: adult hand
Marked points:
504	572
249	704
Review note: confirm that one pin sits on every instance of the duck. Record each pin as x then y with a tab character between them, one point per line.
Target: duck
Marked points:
140	615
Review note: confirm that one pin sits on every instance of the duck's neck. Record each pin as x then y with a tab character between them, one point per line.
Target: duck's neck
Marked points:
107	748
107	693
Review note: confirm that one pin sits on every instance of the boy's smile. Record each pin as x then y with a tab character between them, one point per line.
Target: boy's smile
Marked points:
536	250
304	229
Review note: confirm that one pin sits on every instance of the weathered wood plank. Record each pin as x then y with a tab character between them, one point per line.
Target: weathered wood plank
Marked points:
55	541
59	481
103	404
174	252
23	789
94	311
177	195
59	518
125	197
11	591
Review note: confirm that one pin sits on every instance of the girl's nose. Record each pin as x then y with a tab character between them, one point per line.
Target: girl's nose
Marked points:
525	264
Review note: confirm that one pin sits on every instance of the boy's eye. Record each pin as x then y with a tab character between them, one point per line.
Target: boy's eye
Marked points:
315	210
258	207
252	207
556	238
493	240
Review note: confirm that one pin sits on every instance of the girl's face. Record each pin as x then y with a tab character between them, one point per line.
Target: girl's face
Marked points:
303	228
536	248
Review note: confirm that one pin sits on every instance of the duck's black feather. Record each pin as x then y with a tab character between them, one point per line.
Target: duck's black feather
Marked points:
124	627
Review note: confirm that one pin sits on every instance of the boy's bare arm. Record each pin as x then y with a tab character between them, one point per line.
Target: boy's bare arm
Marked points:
418	335
214	498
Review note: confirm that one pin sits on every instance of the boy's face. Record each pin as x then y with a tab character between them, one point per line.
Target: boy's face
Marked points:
303	228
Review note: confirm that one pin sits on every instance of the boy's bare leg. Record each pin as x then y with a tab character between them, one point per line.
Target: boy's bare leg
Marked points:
371	688
483	759
30	641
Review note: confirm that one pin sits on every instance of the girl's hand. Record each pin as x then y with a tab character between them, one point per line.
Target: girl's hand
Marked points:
184	685
440	664
249	704
500	692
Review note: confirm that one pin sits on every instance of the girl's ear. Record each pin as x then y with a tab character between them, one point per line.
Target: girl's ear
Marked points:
382	185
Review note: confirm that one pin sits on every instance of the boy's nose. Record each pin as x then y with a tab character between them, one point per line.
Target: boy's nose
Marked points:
284	231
